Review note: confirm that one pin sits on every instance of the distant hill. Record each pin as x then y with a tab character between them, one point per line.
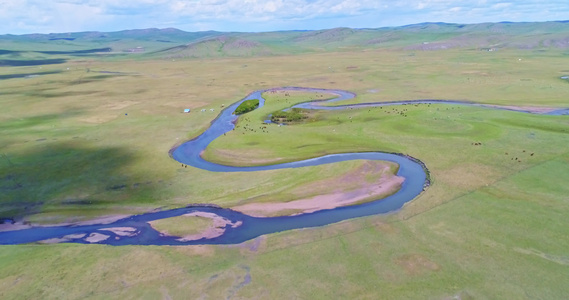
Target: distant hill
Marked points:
167	35
223	45
174	43
137	40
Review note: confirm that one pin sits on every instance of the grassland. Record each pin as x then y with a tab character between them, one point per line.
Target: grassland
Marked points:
481	245
79	144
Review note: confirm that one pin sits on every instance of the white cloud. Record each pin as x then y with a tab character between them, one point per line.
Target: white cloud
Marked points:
501	5
25	16
421	5
275	9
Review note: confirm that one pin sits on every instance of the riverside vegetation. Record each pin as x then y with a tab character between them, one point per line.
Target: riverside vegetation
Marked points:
247	106
292	115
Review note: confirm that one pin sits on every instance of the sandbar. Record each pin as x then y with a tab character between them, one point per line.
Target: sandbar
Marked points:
96	237
216	229
327	201
63	239
121	231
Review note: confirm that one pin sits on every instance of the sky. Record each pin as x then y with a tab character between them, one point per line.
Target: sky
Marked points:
55	16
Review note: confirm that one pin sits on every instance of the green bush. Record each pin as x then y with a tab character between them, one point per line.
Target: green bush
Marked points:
247	106
295	114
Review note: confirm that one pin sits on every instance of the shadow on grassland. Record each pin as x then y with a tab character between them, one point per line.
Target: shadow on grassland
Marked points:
88	51
27	75
33	62
15	125
40	94
60	175
4	52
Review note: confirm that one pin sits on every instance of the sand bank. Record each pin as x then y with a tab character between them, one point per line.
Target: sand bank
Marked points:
216	229
384	187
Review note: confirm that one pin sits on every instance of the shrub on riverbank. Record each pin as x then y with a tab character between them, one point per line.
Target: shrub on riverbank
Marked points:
247	106
292	115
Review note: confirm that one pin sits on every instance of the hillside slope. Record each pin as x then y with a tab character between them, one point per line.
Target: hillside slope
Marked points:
174	43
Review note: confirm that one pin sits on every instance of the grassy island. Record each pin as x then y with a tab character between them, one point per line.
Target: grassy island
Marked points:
182	225
247	106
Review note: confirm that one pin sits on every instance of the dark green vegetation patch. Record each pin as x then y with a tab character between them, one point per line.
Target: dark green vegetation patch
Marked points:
247	106
292	115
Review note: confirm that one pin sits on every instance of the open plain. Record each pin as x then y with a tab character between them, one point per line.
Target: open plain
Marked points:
89	137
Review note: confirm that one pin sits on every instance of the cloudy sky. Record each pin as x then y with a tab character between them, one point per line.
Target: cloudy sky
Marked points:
45	16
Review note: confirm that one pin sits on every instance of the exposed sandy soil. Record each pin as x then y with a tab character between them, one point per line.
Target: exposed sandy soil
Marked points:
119	105
99	119
96	237
365	190
102	220
12	227
217	228
197	250
415	264
63	239
121	231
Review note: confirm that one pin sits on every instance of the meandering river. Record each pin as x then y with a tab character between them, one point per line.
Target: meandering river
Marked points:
135	230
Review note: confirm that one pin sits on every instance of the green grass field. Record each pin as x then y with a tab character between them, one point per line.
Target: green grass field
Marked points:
80	144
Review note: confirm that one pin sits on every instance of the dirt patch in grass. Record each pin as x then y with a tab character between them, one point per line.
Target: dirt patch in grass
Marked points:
415	264
385	227
119	105
99	119
198	250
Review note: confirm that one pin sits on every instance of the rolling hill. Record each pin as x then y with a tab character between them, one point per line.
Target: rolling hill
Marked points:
175	43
